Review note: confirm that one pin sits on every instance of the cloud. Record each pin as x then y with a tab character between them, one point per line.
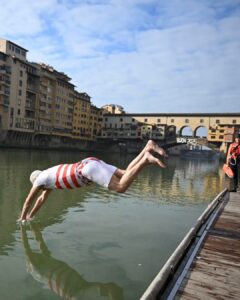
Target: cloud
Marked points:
146	55
24	19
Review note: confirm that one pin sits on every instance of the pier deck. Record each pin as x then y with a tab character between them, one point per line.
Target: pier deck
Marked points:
206	264
215	270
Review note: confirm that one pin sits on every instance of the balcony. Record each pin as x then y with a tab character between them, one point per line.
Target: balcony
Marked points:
4	92
29	112
4	101
5	70
30	107
5	81
32	87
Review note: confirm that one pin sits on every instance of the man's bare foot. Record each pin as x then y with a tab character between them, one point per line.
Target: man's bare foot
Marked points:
153	147
153	160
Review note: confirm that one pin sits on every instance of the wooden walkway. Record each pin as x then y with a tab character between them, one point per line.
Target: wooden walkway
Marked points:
215	271
206	264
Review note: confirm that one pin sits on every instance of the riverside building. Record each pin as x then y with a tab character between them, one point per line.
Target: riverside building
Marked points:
81	116
39	105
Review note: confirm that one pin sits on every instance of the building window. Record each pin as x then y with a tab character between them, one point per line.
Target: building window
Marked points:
186	120
201	120
145	120
21	73
106	119
19	112
217	121
234	121
121	119
213	137
172	120
221	136
19	92
159	120
133	120
20	82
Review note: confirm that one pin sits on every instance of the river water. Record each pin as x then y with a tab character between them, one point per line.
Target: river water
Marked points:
91	243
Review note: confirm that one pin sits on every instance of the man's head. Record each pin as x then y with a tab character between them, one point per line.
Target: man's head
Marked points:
237	137
34	175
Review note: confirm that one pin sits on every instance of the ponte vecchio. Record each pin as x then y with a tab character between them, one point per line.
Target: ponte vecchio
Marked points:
219	127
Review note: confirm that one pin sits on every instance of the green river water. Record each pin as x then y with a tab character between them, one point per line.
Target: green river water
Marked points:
91	243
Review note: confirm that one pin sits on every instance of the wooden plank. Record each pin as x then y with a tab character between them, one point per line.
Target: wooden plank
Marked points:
223	245
215	272
211	258
206	290
217	275
229	221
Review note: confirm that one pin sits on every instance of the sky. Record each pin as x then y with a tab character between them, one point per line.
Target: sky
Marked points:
149	56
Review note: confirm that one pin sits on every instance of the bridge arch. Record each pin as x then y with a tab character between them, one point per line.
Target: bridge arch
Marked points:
185	130
171	131
200	131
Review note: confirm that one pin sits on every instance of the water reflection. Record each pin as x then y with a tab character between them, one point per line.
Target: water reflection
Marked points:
182	182
58	276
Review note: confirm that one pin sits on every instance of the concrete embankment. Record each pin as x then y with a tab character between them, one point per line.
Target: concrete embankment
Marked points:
13	139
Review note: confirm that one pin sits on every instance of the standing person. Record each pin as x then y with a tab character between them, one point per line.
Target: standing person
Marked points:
233	160
69	176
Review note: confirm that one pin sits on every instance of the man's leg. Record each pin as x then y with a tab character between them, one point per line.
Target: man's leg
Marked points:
238	177
151	147
233	181
121	184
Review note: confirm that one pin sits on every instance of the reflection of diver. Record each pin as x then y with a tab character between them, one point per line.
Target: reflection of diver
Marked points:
60	278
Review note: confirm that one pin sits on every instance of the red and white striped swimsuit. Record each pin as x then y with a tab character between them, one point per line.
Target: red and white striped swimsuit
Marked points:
71	176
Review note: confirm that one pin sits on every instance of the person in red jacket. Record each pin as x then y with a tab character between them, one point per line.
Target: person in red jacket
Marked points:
233	160
91	169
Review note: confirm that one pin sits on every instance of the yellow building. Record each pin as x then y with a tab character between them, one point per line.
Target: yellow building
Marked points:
81	116
95	122
223	132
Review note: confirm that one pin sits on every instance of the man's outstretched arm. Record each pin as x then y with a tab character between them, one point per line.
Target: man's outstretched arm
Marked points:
28	202
40	201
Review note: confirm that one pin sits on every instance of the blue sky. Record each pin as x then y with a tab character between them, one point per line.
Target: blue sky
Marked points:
146	55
